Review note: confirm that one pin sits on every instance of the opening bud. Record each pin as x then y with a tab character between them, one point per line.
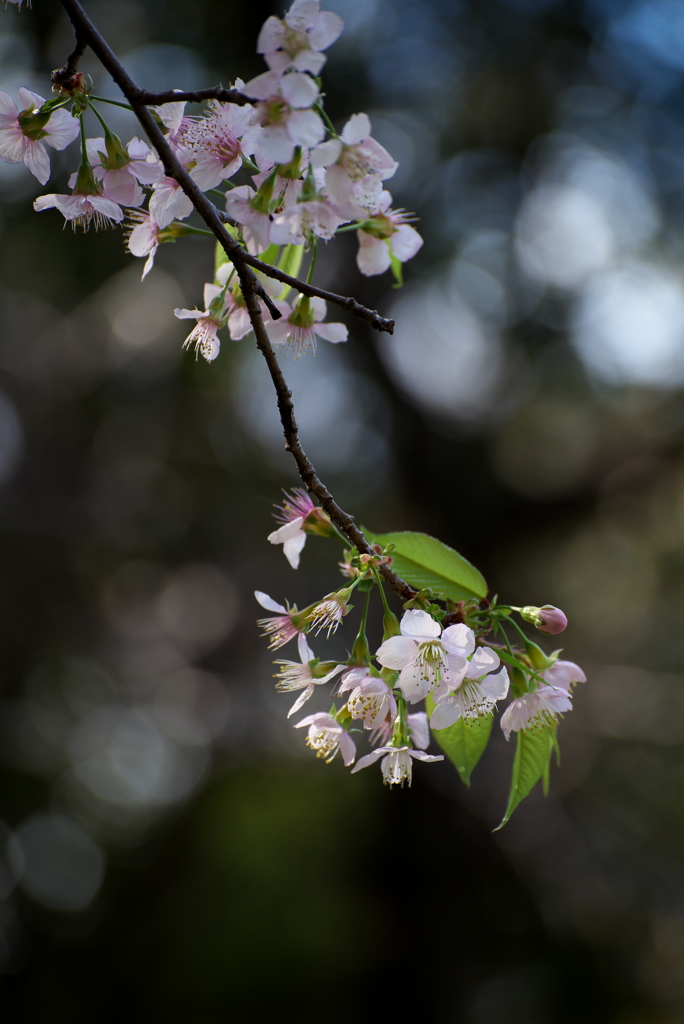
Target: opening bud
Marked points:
547	619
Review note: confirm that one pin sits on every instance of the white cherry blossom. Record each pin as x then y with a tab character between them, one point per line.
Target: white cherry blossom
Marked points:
326	737
544	705
301	326
396	764
427	659
303	675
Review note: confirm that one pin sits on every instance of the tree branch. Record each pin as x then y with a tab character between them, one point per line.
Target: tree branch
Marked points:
215	92
86	33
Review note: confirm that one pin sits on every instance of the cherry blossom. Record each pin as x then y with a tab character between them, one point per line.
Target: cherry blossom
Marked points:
215	142
384	235
396	764
304	675
329	612
301	326
143	239
543	705
209	321
283	117
326	737
306	220
297	39
356	166
251	210
25	132
476	693
281	628
425	662
370	699
169	202
82	209
172	116
296	510
122	171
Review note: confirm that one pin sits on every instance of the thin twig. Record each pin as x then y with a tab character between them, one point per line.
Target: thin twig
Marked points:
250	285
64	77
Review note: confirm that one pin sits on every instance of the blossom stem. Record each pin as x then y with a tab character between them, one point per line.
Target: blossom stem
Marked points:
114	103
312	265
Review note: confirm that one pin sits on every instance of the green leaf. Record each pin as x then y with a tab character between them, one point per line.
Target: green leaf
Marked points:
464	741
514	662
291	259
425	562
531	762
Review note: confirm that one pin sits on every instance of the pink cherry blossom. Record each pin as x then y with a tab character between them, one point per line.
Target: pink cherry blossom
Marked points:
396	764
297	39
385	233
304	675
305	220
215	142
370	699
280	628
169	202
356	167
209	321
82	210
301	327
329	612
427	659
293	513
143	239
243	205
172	116
136	165
283	117
326	737
25	132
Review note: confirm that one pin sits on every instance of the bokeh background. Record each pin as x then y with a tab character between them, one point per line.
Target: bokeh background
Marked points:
169	848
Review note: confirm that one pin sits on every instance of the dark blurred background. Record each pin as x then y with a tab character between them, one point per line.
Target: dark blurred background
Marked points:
169	848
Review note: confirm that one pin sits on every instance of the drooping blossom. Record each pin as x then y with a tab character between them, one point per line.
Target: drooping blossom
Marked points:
122	171
356	167
329	612
280	628
297	510
301	327
25	132
476	693
283	118
304	675
210	320
427	659
396	764
326	737
543	705
370	699
82	209
383	235
296	40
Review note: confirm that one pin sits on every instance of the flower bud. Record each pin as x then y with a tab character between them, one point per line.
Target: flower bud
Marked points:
547	619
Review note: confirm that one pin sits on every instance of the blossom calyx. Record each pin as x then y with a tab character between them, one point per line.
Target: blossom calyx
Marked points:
538	660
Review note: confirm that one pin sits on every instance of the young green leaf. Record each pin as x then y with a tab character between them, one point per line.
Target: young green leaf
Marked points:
464	741
532	756
425	562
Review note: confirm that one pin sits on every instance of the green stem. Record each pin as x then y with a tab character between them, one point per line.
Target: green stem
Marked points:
114	103
351	227
309	276
326	120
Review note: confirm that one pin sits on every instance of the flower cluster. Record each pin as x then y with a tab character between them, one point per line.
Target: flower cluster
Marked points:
458	669
299	180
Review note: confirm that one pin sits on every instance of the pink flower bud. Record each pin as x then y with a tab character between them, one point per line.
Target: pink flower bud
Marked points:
550	620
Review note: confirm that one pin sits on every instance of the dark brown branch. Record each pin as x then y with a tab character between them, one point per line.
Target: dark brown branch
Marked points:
249	283
215	92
